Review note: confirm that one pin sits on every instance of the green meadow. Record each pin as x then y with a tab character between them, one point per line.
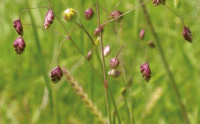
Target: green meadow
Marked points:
28	96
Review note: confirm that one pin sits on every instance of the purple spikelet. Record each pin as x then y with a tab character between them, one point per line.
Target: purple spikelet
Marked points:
156	2
56	74
89	13
115	73
116	14
19	45
106	50
48	20
89	55
98	30
114	62
18	26
142	32
187	34
146	72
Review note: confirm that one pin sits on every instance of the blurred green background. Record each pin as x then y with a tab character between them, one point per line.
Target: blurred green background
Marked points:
23	94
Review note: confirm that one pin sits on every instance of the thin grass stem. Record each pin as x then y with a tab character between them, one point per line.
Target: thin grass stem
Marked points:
42	62
125	13
92	41
176	15
32	8
164	61
103	61
78	47
83	28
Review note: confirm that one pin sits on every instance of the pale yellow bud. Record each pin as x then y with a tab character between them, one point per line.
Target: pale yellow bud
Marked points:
69	14
97	41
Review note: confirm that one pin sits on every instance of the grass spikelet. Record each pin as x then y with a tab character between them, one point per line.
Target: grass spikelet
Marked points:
84	97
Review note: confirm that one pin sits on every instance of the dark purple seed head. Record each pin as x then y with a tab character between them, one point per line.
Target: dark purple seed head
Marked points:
48	20
187	34
89	13
151	44
98	30
89	55
142	32
116	14
146	72
114	73
56	74
117	73
18	27
19	45
156	2
114	62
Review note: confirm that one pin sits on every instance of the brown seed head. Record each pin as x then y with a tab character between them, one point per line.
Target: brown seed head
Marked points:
151	44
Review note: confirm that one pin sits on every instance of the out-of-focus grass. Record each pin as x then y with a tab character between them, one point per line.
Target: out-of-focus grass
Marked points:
21	77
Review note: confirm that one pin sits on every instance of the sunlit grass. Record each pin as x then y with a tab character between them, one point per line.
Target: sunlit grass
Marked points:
22	84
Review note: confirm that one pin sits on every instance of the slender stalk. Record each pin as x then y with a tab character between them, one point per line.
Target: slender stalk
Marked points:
124	72
115	105
176	14
55	32
103	61
87	60
163	58
92	41
77	47
41	60
136	20
59	51
125	13
83	28
32	8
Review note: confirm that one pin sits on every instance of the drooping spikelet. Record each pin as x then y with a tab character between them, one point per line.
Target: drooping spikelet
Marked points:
116	14
157	2
89	55
48	20
98	30
146	72
18	26
115	73
106	50
142	32
89	13
114	62
19	45
187	34
56	74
